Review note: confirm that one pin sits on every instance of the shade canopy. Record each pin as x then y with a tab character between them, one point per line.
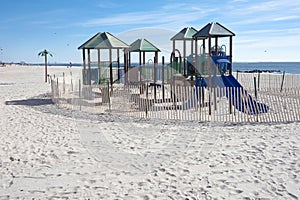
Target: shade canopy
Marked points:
185	34
213	29
104	40
142	45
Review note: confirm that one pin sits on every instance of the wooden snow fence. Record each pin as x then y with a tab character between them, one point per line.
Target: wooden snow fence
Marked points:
271	102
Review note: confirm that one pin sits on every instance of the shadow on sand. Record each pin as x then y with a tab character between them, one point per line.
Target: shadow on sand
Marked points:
30	102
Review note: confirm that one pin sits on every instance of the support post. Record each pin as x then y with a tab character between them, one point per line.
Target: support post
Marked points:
216	46
173	50
108	97
192	47
46	72
140	67
281	86
79	93
84	66
110	71
203	45
196	52
258	81
255	104
83	59
99	67
184	57
163	77
129	66
144	57
64	83
230	54
255	88
209	45
216	52
118	60
89	70
155	69
147	100
125	66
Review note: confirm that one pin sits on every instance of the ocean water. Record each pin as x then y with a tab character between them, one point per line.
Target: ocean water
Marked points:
288	67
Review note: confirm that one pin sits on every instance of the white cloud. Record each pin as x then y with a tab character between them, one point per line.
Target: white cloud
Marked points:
169	15
108	4
284	18
267	6
145	18
175	6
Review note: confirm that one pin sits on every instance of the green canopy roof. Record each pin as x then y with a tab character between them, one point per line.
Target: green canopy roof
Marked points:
142	45
213	29
185	34
104	40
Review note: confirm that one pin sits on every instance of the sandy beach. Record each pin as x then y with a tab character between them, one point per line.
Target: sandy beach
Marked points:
48	152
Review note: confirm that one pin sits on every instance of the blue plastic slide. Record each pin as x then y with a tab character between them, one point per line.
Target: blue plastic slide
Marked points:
240	98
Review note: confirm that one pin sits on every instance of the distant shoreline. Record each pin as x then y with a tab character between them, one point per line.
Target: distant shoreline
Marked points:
135	63
38	64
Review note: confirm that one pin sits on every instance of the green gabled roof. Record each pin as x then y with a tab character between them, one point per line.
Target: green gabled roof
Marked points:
185	34
213	29
142	45
104	40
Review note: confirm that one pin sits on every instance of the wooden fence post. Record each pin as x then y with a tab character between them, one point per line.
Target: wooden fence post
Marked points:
147	101
163	78
64	84
79	94
108	96
281	86
255	104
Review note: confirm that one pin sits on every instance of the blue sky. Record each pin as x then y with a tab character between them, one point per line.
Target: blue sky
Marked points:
266	30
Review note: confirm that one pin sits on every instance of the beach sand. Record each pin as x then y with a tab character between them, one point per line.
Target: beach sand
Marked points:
56	153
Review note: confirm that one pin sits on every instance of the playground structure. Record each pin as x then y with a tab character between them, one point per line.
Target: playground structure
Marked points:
197	83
